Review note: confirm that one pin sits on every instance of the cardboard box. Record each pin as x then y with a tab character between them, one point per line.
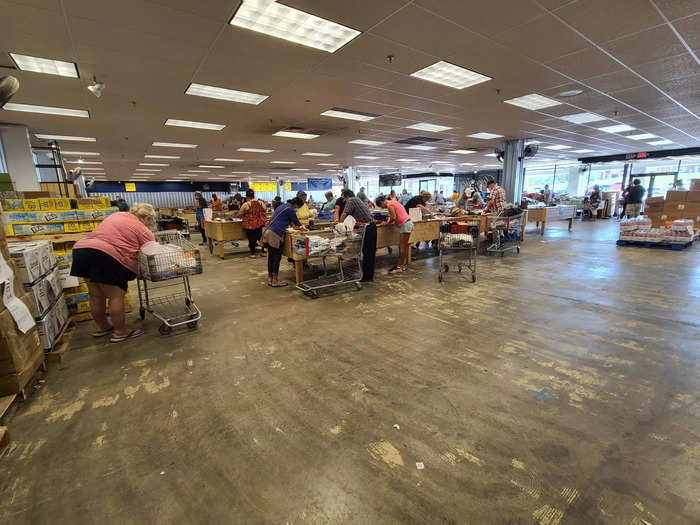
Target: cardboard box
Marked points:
46	204
37	229
51	324
674	206
86	226
16	348
77	297
45	292
27	257
61	204
17	284
13	205
16	217
67	280
90	204
82	306
104	201
693	196
31	205
654	200
676	196
692	211
97	214
82	215
71	227
14	382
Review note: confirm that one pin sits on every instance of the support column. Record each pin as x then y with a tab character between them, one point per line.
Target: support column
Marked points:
350	175
18	157
513	172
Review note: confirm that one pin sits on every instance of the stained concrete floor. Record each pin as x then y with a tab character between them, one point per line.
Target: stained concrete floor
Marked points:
562	388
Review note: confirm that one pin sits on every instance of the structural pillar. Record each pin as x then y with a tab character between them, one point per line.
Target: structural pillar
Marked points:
513	172
350	176
19	158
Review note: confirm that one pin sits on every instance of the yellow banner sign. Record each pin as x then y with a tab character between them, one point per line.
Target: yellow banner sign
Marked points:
129	186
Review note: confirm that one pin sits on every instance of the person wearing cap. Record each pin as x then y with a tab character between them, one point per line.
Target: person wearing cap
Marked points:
497	198
355	207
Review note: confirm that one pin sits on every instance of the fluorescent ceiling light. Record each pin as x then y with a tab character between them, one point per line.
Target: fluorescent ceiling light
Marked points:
661	142
202	90
441	162
367	142
173	180
450	75
367	157
467	164
198	171
45	65
149	170
617	128
282	162
528	142
281	21
641	136
300	169
87	168
81	153
295	135
557	147
240	172
152	164
66	138
463	151
192	124
256	150
426	126
349	114
46	110
173	145
327	164
582	151
484	136
161	157
82	162
533	102
368	166
312	154
210	166
229	160
582	118
420	147
407	160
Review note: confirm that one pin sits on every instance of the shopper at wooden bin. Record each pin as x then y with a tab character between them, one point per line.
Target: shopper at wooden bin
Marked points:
254	218
399	217
304	213
108	259
273	237
419	201
329	205
216	203
497	198
356	208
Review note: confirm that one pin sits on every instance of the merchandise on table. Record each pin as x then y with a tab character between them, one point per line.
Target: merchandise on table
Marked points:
640	230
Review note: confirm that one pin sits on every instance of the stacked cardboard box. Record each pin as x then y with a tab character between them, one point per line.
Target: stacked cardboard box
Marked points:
654	209
692	208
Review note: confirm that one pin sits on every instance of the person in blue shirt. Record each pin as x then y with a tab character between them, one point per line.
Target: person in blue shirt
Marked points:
285	216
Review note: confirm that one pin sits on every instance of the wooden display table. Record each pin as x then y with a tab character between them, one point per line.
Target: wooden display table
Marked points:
222	232
541	216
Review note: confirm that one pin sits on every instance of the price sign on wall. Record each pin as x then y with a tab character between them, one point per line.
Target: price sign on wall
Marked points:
129	186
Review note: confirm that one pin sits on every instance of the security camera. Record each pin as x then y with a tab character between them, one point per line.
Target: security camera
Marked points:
96	88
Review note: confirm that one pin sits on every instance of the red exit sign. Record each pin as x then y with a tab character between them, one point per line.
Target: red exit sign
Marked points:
639	155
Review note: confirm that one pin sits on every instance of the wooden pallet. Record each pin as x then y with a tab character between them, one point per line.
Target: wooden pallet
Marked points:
53	237
641	244
62	343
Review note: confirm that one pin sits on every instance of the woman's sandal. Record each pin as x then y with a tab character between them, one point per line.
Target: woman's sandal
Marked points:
132	334
102	333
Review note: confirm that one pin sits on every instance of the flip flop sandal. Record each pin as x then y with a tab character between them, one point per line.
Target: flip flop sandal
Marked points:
132	334
102	333
279	284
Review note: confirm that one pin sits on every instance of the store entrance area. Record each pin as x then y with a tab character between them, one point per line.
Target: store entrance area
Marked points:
563	382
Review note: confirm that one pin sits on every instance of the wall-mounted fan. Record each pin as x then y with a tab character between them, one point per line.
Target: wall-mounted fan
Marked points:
9	85
530	151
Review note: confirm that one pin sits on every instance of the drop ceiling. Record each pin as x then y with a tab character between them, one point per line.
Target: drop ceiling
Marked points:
635	61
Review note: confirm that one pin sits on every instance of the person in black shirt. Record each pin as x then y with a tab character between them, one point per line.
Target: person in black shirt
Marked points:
201	204
339	205
633	199
419	201
356	208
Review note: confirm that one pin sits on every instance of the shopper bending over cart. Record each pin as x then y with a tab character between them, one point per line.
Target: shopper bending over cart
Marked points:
273	237
399	217
108	259
356	207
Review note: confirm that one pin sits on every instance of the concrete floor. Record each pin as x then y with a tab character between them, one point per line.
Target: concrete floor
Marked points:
562	388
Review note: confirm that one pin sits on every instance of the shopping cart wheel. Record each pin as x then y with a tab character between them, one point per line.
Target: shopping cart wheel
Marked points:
164	329
314	295
188	303
459	268
446	268
142	313
192	324
358	286
473	277
440	278
517	249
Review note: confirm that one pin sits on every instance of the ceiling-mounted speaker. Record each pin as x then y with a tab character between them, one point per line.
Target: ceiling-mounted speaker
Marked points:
9	85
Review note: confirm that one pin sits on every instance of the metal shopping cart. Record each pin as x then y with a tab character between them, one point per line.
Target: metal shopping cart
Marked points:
343	247
505	232
164	282
458	235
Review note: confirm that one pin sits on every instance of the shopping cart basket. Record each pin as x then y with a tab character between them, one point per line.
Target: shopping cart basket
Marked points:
343	247
505	232
164	282
460	235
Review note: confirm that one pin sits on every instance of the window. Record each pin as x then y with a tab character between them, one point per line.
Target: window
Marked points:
3	165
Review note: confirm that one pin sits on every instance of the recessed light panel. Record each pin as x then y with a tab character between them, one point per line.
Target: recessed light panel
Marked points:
426	126
300	169
582	118
327	164
281	21
229	160
45	65
198	171
582	151
467	164
312	154
490	155
420	147
282	162
349	114
173	145
641	136
192	124
484	136
161	157
256	150
232	95
295	135
450	75
87	168
367	142
463	151
148	170
662	142
152	164
557	147
533	102
407	160
66	138
366	157
82	162
80	153
617	128
47	110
